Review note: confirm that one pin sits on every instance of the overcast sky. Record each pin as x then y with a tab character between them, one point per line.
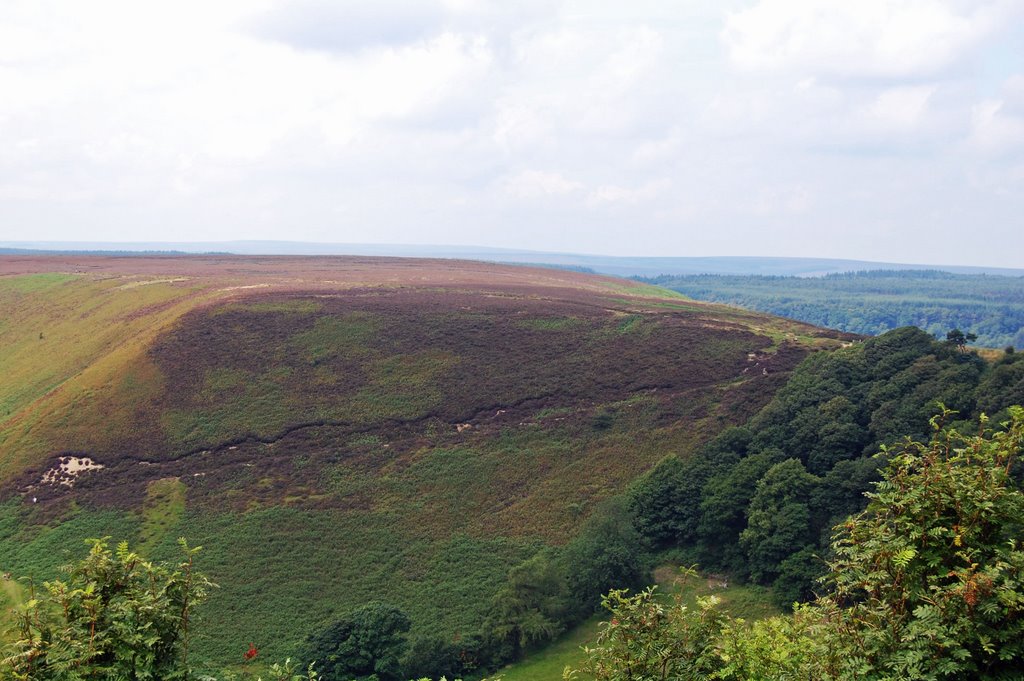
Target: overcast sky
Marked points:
874	129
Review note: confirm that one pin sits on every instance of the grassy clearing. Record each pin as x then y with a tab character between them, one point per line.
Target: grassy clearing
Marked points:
68	346
332	337
549	663
748	602
32	283
37	551
287	572
12	594
548	323
635	288
162	512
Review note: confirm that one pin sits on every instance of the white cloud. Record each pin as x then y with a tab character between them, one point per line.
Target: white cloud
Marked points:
781	200
348	26
518	124
862	38
994	129
997	125
529	184
840	128
614	194
900	107
406	81
578	82
659	150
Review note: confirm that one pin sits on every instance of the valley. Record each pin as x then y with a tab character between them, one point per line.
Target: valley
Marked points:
341	430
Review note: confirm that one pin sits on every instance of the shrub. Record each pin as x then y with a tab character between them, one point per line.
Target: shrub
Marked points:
645	639
368	644
928	582
115	616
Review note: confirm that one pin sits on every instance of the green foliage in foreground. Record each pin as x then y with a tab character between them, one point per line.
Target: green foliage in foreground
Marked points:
119	616
645	639
927	583
116	616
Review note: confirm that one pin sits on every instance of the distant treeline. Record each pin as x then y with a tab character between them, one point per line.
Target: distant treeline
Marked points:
870	303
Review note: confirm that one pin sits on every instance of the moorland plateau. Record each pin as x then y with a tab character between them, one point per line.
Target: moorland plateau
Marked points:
341	430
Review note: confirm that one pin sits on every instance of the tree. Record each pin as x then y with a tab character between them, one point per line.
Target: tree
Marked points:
367	644
432	655
960	339
531	607
778	519
926	583
605	555
798	575
115	616
723	508
665	502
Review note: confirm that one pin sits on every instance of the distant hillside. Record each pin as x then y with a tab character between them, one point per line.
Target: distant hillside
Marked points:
992	307
341	430
622	266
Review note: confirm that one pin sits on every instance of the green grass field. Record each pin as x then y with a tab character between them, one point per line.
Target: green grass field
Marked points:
549	663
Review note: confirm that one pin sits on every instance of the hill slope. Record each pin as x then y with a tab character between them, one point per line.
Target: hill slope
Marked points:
338	430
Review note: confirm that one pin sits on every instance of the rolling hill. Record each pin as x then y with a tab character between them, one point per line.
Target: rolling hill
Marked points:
617	265
336	430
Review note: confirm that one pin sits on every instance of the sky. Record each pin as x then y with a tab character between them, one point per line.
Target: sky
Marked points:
887	130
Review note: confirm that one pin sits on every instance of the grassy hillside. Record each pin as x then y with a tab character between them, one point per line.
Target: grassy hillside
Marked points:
338	430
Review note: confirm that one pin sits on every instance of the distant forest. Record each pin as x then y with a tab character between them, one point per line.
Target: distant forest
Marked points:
870	303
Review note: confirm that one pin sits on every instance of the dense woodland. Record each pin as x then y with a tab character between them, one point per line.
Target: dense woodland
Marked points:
760	500
870	303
